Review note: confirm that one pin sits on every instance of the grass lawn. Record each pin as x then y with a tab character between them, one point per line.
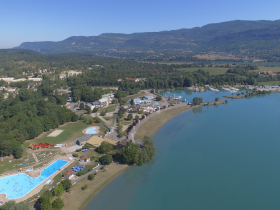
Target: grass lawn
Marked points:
211	70
267	68
110	108
79	198
89	153
269	83
71	132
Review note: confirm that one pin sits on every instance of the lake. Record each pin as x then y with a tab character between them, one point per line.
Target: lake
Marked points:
217	157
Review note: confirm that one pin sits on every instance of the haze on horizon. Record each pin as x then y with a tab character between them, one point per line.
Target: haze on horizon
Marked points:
31	20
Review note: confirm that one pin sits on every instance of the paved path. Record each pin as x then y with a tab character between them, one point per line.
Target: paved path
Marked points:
114	135
86	175
134	130
35	157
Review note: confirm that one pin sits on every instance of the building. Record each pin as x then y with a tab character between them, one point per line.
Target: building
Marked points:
119	80
84	159
122	143
96	141
137	101
148	97
68	175
146	101
93	105
83	140
132	80
104	102
155	105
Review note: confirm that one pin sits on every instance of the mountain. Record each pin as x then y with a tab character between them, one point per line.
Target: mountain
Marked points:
218	36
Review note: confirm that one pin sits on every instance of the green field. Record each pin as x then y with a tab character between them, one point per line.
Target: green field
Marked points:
110	108
211	70
267	68
71	131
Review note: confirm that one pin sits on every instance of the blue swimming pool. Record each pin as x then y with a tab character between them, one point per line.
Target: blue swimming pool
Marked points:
91	130
17	186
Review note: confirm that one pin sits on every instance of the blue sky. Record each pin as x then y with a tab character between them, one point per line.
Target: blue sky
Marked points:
55	20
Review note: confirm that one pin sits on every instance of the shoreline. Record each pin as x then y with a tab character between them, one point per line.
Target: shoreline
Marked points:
150	127
179	111
79	198
94	193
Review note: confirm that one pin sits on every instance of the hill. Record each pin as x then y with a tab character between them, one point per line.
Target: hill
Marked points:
222	37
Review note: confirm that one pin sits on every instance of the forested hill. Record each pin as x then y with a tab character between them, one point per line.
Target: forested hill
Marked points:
195	39
257	39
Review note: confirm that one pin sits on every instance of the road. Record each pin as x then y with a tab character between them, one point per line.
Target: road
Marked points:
114	135
86	175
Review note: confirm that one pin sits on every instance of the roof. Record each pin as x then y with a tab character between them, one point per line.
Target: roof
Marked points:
155	104
68	173
96	141
95	103
137	99
84	158
123	142
85	138
102	100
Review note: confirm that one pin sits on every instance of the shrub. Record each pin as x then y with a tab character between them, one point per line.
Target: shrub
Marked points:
85	187
90	177
75	155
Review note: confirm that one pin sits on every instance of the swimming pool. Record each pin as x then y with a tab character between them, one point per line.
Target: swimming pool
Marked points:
91	130
17	186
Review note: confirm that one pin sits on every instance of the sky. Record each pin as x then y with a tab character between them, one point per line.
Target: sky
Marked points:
56	20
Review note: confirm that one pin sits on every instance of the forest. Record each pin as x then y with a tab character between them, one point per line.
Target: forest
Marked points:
26	115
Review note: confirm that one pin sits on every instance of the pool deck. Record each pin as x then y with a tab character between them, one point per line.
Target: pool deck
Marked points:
36	173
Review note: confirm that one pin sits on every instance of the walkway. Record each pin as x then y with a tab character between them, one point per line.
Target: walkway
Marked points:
35	158
86	175
134	130
114	135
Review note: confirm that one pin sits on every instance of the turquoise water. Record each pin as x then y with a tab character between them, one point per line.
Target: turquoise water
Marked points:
17	186
223	157
90	130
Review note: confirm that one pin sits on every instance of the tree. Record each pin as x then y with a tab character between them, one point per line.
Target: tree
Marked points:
97	120
66	184
129	116
12	205
131	102
106	159
104	147
103	113
90	177
17	153
75	155
58	204
88	110
136	117
95	109
85	187
158	98
82	105
197	100
91	121
58	190
45	201
217	99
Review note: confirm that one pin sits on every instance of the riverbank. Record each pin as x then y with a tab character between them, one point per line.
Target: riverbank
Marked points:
235	97
79	198
150	127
